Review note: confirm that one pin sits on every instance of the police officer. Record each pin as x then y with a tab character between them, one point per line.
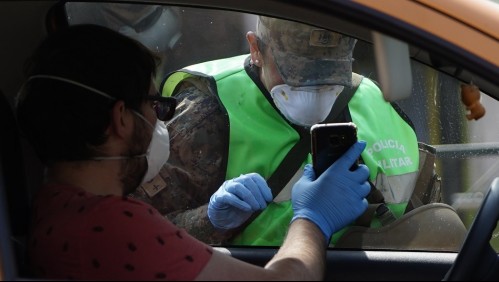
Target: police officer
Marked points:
246	114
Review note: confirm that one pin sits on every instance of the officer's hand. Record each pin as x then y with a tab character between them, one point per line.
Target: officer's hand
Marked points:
237	199
337	197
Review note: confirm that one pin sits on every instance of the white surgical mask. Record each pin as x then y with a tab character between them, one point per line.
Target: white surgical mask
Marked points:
307	105
157	153
159	149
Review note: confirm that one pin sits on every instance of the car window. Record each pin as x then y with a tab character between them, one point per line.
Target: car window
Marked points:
173	33
465	149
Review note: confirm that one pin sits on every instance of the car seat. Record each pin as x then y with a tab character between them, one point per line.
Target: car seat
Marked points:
17	201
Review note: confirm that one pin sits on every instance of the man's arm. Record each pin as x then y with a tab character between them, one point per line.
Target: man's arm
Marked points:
321	206
197	223
302	257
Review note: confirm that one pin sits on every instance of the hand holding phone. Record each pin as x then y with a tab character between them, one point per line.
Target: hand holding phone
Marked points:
329	142
337	197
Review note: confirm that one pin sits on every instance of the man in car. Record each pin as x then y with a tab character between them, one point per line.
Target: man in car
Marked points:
97	122
252	114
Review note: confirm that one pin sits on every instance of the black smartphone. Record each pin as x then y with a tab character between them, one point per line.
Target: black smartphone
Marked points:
329	142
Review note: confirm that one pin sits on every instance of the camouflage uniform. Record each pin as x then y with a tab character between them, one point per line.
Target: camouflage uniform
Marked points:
195	169
199	132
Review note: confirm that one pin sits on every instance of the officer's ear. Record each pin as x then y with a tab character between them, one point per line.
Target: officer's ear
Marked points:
256	54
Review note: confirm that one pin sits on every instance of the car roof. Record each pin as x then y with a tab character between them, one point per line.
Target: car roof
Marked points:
471	25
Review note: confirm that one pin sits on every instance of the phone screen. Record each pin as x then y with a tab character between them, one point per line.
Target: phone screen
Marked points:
329	142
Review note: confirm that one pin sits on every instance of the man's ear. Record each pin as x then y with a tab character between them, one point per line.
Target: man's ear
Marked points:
256	55
121	120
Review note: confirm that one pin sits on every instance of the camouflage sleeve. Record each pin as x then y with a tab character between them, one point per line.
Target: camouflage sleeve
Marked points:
197	223
196	166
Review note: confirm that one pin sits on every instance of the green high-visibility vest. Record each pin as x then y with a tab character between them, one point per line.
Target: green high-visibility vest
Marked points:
260	139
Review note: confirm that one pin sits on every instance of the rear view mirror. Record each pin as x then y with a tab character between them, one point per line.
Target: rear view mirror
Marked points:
393	67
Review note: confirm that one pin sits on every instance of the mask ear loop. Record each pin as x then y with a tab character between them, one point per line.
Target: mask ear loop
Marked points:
144	119
21	94
53	77
118	158
127	157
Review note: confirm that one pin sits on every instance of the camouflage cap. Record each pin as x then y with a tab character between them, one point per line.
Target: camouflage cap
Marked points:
306	55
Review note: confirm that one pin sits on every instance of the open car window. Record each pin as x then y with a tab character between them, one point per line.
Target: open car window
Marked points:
465	149
173	33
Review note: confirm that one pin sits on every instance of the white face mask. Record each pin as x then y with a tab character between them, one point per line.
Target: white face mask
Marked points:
159	149
307	105
157	153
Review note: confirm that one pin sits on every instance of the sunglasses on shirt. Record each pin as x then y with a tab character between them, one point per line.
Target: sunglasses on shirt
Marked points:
163	106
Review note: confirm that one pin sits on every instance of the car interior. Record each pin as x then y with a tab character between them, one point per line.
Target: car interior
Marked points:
419	73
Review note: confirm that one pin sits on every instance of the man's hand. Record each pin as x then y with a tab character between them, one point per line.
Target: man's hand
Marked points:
237	199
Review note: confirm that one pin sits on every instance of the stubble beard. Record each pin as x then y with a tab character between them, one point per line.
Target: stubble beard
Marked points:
134	169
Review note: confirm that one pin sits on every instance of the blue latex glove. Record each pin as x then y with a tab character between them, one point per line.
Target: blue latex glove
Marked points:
337	197
237	199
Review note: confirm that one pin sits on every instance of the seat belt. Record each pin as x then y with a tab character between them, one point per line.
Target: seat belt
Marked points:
427	189
280	179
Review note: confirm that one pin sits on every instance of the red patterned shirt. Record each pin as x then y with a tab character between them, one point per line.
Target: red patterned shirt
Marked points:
78	235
